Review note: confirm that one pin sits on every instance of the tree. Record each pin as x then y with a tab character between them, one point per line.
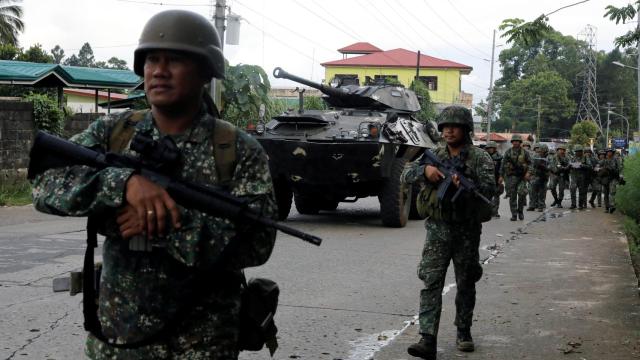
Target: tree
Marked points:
427	111
582	133
58	54
245	88
113	63
9	52
36	54
72	61
624	14
520	103
85	56
10	21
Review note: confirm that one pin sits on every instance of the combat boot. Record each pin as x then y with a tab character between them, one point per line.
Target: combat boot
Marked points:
573	206
426	348
593	205
612	209
531	208
464	341
514	217
521	215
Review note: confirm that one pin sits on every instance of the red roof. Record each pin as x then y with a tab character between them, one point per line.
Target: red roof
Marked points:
399	58
360	48
480	136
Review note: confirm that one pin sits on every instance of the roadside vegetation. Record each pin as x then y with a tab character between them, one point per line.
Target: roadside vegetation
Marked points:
627	199
15	192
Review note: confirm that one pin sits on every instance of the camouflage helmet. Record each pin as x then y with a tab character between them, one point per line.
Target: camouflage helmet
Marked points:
516	137
544	148
455	114
526	143
184	31
602	152
536	146
491	144
561	146
610	150
578	148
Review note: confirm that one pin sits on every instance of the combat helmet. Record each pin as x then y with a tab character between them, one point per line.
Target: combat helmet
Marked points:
491	144
561	146
578	148
184	31
455	114
536	146
525	143
516	137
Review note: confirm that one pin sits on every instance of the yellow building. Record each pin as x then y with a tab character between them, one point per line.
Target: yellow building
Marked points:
442	77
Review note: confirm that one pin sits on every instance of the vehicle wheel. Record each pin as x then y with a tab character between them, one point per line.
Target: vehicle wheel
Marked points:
284	196
306	205
413	212
395	197
327	204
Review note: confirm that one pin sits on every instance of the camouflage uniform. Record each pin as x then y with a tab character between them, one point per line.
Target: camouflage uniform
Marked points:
453	233
579	173
559	166
515	164
497	160
456	238
539	179
141	291
609	174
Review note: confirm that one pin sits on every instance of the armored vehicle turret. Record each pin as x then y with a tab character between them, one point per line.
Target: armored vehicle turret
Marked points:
357	148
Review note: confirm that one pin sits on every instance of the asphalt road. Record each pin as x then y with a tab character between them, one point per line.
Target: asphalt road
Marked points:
353	298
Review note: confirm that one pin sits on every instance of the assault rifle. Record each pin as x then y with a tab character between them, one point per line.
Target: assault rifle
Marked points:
49	151
448	169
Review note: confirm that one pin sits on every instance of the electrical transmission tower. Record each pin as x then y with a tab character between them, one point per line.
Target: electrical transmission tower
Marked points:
588	108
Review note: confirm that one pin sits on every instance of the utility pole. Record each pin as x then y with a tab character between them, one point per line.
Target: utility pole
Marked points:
216	85
606	138
490	103
538	124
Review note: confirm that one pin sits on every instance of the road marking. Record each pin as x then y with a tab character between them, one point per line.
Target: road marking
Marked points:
365	347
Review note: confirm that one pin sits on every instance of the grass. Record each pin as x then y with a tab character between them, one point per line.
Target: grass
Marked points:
15	192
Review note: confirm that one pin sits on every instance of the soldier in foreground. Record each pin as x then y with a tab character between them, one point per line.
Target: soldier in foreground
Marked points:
170	280
515	171
492	150
559	181
453	231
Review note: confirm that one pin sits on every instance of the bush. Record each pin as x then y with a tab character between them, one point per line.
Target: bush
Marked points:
15	192
628	196
46	114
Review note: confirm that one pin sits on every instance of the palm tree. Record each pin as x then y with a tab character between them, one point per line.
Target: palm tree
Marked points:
10	21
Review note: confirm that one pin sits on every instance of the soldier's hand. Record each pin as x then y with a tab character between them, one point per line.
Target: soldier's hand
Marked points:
129	222
151	204
500	180
433	174
455	178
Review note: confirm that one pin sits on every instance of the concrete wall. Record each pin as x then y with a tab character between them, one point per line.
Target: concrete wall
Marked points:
16	133
78	122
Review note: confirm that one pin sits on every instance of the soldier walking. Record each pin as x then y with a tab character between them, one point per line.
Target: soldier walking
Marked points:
515	172
453	231
596	182
579	174
559	167
609	174
492	150
540	178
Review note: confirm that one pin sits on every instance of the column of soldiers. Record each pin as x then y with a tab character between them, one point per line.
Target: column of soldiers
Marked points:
533	172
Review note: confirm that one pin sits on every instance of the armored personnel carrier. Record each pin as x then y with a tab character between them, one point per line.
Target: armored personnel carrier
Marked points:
357	148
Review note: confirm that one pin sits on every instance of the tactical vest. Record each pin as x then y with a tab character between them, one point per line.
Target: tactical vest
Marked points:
465	209
223	140
516	165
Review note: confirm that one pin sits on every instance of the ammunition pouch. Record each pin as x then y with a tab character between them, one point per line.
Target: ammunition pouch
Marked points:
259	302
429	206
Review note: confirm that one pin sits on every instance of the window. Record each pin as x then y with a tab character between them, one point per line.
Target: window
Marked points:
431	82
385	79
347	79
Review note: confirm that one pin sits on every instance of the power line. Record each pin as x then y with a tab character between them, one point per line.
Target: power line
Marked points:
325	20
454	30
383	20
162	3
281	42
467	20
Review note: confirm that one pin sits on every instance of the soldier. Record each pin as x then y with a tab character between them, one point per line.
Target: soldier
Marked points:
609	174
596	183
579	173
540	178
515	172
453	231
559	167
492	149
174	294
530	187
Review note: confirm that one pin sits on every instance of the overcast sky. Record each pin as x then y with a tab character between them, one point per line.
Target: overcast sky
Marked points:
298	35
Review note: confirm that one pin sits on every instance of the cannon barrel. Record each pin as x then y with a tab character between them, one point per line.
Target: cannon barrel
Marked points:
328	90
